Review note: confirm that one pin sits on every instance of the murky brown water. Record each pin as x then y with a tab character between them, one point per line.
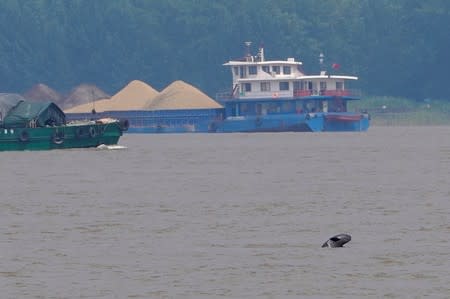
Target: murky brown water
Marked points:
231	216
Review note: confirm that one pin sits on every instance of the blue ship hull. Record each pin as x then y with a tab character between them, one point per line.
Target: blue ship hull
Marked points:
270	123
214	123
312	122
170	129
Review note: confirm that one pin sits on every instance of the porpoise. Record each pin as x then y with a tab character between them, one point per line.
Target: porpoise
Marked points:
337	241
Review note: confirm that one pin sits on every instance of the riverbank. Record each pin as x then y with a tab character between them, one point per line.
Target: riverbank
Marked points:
391	111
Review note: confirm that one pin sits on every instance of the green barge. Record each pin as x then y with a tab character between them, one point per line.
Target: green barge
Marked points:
28	125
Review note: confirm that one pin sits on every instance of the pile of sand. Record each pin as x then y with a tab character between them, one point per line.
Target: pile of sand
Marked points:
98	105
41	92
135	96
180	95
84	94
138	95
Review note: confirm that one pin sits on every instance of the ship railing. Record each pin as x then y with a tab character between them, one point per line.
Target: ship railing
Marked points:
327	92
254	95
226	96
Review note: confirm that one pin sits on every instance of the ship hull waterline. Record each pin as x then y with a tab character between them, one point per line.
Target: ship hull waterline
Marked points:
59	137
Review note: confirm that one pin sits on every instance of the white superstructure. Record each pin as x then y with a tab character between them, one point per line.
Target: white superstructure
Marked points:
256	78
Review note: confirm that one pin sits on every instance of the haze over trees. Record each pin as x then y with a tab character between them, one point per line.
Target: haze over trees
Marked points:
395	47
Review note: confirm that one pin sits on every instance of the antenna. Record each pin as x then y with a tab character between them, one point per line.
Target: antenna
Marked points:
323	70
93	102
247	46
321	58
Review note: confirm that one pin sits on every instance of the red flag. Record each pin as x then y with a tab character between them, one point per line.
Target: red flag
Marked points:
336	66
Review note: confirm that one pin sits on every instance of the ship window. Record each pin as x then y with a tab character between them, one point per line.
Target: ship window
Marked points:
236	71
266	68
339	85
323	85
243	72
276	69
252	70
284	85
286	70
265	86
247	87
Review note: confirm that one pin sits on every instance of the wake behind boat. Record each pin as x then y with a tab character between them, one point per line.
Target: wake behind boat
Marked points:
111	147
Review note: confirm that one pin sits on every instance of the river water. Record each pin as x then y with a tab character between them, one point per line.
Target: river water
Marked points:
230	216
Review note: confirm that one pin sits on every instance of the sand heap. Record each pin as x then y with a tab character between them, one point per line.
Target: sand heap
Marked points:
84	94
135	96
180	95
41	92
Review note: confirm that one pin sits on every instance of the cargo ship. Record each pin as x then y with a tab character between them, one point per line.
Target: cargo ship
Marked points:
26	125
265	96
277	96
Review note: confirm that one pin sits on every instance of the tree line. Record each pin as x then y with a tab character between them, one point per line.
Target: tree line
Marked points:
395	47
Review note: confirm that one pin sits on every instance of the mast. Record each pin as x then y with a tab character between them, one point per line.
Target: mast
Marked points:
261	53
321	59
248	54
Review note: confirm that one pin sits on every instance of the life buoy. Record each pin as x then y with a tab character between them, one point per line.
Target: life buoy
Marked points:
24	136
92	132
79	132
275	95
58	137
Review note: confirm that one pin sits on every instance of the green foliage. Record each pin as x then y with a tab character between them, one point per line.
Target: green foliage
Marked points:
395	47
387	110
